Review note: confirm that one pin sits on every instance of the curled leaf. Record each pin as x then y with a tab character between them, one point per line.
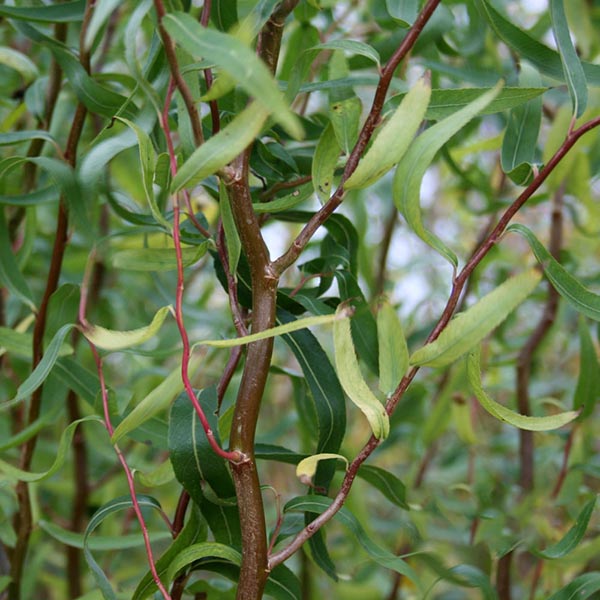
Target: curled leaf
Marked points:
307	467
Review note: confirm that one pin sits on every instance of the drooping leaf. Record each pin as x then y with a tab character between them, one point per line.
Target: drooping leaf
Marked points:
324	161
521	133
221	148
318	504
157	259
504	414
588	382
352	46
117	504
352	381
232	238
412	167
578	296
239	61
51	13
156	401
62	450
546	60
393	351
108	339
393	138
387	483
572	538
20	343
467	329
19	62
148	164
572	67
307	467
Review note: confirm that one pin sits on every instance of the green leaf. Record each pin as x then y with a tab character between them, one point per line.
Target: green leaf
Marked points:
108	339
572	67
307	467
318	504
345	119
403	11
352	46
547	61
58	13
412	167
324	162
221	148
579	297
101	543
588	382
572	538
352	381
232	238
42	370
521	133
504	414
236	59
157	259
148	164
156	401
10	275
117	504
194	530
393	351
304	192
16	137
21	343
62	450
467	329
19	62
393	139
581	587
274	331
387	483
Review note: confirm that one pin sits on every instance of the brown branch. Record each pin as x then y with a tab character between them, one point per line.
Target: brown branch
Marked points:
503	577
525	359
182	86
290	256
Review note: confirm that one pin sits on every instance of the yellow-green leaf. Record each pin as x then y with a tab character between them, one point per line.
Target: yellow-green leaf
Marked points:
469	328
109	339
505	414
393	139
393	351
356	388
156	259
307	467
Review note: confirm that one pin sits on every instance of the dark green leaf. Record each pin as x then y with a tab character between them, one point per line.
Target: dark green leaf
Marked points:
403	11
588	382
581	587
52	13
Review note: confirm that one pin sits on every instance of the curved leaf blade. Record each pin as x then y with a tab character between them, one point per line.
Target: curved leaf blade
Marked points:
352	46
581	587
468	328
324	162
108	339
412	167
393	351
393	138
504	414
307	467
579	297
352	381
157	259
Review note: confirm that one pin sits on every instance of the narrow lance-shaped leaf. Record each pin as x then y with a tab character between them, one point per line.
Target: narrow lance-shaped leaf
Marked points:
578	296
58	13
221	148
393	351
393	138
412	167
467	329
572	538
157	259
324	161
588	382
572	67
237	59
109	339
352	46
582	587
307	467
232	238
19	62
504	414
352	381
148	164
156	401
521	134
